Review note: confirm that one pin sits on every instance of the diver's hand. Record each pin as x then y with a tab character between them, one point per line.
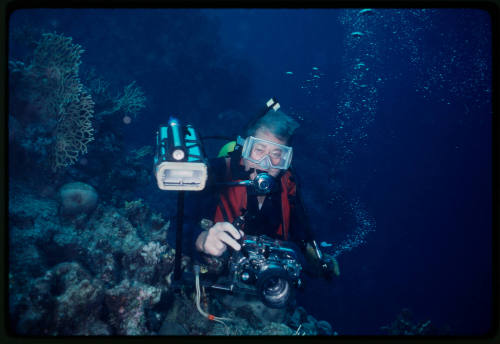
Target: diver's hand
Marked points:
329	266
326	266
215	240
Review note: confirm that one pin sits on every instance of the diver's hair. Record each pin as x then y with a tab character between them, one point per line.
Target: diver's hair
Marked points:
277	122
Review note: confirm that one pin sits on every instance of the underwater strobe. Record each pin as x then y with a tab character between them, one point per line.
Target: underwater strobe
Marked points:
179	165
179	162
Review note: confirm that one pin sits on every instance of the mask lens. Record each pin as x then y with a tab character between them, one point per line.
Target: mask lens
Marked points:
276	156
267	154
258	151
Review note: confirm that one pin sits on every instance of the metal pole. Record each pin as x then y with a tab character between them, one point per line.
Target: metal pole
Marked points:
178	235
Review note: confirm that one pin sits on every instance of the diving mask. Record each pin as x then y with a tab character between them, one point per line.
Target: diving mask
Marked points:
266	154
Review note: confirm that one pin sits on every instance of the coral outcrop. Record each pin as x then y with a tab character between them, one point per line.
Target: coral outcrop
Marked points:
58	268
110	273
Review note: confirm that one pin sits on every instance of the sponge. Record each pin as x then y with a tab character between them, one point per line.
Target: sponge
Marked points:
77	198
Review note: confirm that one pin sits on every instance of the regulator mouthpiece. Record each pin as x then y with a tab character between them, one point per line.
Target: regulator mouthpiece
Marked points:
263	183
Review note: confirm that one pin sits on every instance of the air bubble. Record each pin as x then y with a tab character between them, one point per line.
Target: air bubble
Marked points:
366	11
357	34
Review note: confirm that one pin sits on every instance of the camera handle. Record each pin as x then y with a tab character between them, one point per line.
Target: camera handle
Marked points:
239	221
239	224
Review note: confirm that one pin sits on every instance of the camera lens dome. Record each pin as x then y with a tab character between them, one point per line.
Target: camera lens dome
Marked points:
274	287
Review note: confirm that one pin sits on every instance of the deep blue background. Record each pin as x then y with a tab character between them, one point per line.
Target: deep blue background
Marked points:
423	172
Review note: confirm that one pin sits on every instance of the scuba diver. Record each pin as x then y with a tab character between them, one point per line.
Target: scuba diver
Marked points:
254	238
252	180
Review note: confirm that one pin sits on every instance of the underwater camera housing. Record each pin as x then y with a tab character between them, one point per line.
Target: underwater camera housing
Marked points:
179	162
266	267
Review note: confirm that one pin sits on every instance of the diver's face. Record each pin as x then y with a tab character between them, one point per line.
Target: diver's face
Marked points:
262	150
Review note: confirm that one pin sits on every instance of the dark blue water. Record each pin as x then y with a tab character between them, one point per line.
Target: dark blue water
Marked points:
396	124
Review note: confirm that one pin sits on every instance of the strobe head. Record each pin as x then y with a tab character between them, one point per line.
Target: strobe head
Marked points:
179	163
181	176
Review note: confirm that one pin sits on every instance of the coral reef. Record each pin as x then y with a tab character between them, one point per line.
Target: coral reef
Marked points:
60	116
406	325
57	268
152	252
105	275
135	211
247	316
307	324
128	303
59	302
52	87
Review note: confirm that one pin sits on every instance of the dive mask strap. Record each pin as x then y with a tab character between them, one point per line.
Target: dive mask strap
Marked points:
240	141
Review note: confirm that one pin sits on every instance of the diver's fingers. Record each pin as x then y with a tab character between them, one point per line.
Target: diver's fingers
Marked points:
214	247
228	227
212	244
218	236
227	239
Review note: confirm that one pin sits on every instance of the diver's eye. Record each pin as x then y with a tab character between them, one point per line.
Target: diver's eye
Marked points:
276	155
258	151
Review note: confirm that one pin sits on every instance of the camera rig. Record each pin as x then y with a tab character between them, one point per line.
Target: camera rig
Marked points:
265	267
